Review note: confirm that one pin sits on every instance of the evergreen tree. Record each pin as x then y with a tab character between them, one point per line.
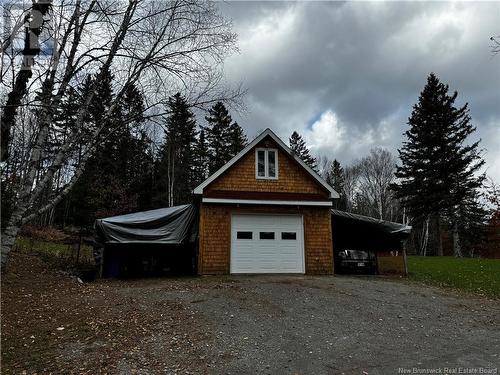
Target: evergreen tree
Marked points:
298	146
176	156
469	233
491	245
66	115
238	139
135	149
200	167
224	138
335	178
140	168
91	194
439	169
117	178
64	119
132	107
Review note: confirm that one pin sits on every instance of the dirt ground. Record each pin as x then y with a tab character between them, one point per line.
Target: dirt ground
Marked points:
51	323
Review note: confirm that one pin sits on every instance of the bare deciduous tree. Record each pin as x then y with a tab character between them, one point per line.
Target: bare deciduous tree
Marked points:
351	184
160	47
34	23
377	174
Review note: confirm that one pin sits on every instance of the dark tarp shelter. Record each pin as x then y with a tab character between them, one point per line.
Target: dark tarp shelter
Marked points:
382	226
173	225
165	240
358	232
169	233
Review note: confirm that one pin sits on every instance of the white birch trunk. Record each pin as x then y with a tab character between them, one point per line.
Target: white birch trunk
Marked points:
457	248
14	224
425	239
27	194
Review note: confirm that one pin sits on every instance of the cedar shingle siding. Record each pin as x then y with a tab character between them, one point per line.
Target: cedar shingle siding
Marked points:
215	236
291	178
215	219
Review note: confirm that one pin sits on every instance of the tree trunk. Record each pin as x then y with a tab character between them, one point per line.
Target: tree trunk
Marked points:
173	181
425	239
170	174
30	51
439	241
457	249
8	238
380	212
22	203
27	193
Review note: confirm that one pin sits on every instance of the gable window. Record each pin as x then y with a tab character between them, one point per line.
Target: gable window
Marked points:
266	163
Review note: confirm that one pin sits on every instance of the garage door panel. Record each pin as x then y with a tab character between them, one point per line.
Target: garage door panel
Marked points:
251	254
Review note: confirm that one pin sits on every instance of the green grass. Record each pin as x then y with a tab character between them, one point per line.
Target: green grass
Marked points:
479	276
54	249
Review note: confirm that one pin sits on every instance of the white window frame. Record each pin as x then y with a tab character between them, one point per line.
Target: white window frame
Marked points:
266	163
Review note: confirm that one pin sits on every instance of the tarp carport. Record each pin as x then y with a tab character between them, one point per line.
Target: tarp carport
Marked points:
169	233
358	232
161	237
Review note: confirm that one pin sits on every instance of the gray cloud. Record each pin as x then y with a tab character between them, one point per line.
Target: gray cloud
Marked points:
347	74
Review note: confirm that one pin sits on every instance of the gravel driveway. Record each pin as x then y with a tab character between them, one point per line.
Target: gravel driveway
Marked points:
335	325
52	324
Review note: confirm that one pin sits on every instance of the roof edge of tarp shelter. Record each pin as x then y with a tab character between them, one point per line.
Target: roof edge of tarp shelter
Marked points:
169	226
391	226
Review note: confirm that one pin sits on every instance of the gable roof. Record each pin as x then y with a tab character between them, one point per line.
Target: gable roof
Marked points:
251	145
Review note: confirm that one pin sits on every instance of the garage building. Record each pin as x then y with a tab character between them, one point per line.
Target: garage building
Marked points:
265	211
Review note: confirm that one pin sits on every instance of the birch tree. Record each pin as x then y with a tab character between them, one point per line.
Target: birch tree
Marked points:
33	21
377	175
160	47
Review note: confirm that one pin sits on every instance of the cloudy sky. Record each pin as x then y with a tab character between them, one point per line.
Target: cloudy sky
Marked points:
345	75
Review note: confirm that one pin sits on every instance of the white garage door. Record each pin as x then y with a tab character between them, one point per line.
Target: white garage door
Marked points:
267	244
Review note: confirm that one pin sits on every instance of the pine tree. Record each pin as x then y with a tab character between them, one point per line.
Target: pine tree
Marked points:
91	195
176	155
299	147
64	120
220	133
200	167
335	178
132	106
238	139
439	169
491	245
135	149
469	233
140	169
117	178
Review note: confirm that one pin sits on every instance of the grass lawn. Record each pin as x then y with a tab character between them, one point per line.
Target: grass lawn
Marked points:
480	276
54	249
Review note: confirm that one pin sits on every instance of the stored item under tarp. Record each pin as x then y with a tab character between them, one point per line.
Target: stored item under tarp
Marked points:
173	225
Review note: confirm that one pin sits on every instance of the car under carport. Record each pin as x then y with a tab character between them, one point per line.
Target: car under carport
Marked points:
382	241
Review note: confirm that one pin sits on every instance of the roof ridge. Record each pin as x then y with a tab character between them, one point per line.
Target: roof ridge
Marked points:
251	145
